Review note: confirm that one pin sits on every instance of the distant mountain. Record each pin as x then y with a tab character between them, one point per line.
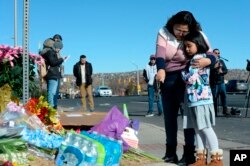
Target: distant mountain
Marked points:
238	74
126	82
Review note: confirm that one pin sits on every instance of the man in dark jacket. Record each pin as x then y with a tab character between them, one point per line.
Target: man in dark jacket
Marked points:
83	72
217	83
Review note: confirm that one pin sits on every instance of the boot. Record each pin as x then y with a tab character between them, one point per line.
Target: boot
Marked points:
201	158
225	111
170	155
216	158
188	155
165	156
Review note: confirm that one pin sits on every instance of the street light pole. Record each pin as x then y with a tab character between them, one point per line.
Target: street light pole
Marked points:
137	78
15	23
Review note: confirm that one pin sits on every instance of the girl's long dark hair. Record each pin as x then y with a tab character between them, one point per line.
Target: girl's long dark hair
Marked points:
197	38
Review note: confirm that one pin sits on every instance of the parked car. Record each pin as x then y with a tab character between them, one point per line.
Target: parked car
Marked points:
63	95
237	86
102	91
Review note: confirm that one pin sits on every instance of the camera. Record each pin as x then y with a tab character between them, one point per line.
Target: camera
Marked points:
248	65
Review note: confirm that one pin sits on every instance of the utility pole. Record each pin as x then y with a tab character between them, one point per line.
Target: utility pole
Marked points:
137	78
15	23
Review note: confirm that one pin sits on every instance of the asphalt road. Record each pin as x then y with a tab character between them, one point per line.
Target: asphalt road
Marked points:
235	128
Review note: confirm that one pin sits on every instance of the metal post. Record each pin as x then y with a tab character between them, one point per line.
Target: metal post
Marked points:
25	51
15	23
138	82
137	78
247	96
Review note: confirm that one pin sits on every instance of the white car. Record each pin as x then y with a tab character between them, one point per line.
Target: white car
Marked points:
237	86
102	91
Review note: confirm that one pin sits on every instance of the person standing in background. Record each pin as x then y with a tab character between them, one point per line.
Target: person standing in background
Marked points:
218	84
58	37
170	60
48	44
83	70
149	74
53	62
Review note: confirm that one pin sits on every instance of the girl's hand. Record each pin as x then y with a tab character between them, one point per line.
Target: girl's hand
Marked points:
161	75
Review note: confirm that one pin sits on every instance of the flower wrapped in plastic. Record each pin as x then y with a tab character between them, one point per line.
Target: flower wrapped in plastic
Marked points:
11	70
47	114
5	96
12	114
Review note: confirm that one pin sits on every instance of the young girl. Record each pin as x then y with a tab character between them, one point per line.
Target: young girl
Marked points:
200	114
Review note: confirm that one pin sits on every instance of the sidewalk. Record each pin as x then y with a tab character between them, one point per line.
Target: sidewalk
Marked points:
152	140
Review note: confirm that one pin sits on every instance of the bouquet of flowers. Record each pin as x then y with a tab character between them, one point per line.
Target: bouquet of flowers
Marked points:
47	114
11	71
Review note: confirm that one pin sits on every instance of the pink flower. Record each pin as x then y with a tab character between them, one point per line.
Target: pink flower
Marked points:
8	53
13	107
78	131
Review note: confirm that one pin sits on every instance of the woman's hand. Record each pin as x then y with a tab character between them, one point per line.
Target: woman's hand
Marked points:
66	58
161	75
201	63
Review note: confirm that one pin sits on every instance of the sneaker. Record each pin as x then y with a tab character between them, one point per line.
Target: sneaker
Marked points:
159	114
91	110
149	115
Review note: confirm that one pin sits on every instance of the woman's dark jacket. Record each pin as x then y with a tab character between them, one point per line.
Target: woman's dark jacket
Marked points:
53	64
78	74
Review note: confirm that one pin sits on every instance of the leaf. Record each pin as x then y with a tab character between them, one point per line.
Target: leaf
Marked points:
144	154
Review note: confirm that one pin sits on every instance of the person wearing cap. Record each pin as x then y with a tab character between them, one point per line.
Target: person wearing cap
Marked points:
48	43
57	37
83	70
149	74
53	61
